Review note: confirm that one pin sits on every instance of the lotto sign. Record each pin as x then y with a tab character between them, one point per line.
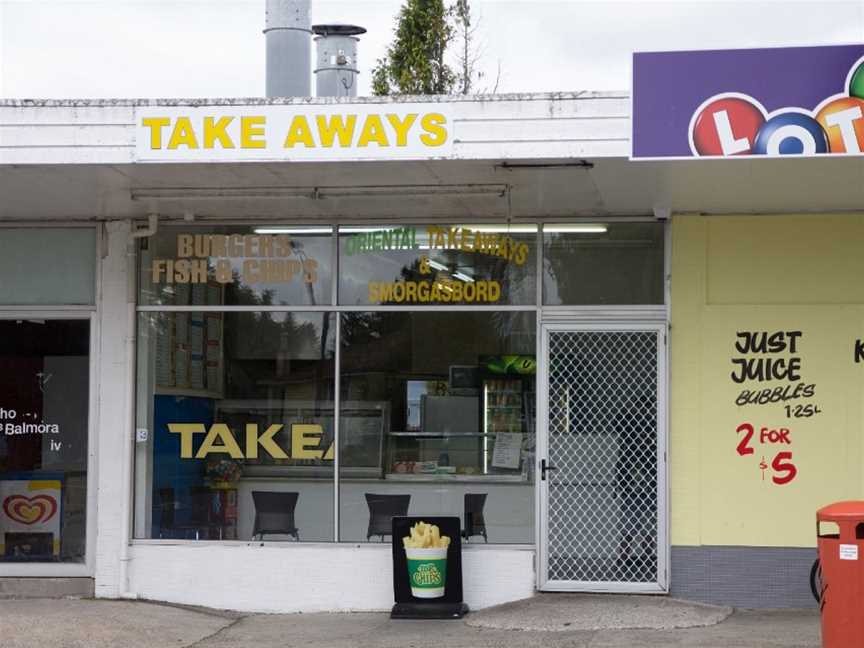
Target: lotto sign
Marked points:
29	509
741	103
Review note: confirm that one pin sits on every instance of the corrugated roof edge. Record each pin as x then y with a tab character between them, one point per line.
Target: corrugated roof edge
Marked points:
263	101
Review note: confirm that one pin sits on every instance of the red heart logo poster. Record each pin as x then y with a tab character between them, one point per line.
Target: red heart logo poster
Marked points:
30	510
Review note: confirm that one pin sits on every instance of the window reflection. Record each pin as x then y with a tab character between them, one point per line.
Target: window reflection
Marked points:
619	263
456	396
249	426
436	408
237	266
44	403
438	264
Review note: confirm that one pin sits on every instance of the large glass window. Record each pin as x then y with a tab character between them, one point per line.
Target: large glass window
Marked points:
44	404
50	265
454	397
438	264
598	264
238	266
235	413
429	333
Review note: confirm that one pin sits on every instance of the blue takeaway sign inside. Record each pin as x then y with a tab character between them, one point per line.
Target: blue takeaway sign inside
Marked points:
748	102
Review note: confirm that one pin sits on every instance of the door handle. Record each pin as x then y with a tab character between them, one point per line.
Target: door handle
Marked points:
545	467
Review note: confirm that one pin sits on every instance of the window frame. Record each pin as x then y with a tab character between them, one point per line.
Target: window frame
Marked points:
59	311
101	241
541	312
86	568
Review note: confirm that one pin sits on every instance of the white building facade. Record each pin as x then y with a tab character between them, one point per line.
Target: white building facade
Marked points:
388	390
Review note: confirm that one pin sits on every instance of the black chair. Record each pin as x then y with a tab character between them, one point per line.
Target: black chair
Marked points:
474	522
166	511
382	510
197	513
274	513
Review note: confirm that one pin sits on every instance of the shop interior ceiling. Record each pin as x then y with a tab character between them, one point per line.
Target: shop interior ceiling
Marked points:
418	190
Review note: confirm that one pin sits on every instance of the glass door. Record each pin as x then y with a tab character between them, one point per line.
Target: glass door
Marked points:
602	459
44	430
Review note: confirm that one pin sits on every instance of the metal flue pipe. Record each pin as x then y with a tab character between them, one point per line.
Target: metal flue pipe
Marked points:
336	68
289	52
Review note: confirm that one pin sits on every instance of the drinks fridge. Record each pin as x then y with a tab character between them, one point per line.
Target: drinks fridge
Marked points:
507	412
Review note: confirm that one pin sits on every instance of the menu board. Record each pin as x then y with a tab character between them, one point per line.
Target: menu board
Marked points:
508	450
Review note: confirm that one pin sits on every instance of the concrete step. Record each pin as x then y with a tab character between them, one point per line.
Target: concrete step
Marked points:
18	588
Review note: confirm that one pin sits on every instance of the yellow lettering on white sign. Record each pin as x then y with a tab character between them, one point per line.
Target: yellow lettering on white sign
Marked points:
216	130
310	131
373	131
402	127
251	129
155	124
299	133
336	128
436	134
183	135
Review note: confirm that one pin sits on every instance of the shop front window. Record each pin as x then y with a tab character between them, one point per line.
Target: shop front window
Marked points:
50	265
237	266
453	397
238	408
480	265
44	404
603	264
413	369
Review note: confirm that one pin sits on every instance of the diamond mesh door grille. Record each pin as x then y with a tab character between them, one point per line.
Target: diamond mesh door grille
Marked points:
602	495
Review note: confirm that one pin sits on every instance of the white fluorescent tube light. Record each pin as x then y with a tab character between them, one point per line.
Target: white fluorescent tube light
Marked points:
437	266
575	228
504	229
293	230
463	277
350	229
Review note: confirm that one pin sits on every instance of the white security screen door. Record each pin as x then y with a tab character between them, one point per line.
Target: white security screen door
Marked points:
602	458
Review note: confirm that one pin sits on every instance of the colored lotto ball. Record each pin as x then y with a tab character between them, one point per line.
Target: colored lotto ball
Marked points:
843	121
727	126
856	82
789	134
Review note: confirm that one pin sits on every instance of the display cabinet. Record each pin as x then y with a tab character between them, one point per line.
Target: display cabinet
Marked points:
466	437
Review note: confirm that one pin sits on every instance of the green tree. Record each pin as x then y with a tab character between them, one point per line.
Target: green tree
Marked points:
414	63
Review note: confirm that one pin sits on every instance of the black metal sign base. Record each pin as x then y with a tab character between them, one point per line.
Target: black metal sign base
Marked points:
429	611
449	604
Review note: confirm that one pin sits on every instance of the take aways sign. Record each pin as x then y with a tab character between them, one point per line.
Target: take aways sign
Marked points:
292	132
307	441
749	102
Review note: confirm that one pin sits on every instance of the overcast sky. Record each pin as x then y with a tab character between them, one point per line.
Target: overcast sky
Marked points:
214	48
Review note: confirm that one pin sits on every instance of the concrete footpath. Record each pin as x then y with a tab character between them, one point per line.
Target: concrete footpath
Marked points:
550	621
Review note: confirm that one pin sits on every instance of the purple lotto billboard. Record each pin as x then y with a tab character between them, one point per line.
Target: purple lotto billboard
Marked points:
747	103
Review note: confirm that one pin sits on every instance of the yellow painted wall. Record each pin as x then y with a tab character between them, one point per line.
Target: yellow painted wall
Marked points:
735	274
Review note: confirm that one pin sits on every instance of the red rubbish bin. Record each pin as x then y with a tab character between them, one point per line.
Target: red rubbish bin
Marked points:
841	555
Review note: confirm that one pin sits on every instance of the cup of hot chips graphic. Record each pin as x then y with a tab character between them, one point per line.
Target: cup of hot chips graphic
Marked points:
426	552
